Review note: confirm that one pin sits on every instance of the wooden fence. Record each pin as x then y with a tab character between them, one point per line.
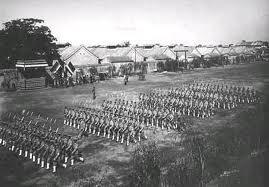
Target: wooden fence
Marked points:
31	84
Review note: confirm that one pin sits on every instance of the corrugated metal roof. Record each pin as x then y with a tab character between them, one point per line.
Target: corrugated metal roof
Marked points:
180	48
243	43
215	52
239	49
224	50
67	52
205	50
180	52
156	50
232	52
257	43
103	52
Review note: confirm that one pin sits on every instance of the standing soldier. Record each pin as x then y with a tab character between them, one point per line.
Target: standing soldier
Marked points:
56	158
93	92
125	79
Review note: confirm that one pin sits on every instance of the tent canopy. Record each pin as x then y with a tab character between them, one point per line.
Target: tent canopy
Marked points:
31	63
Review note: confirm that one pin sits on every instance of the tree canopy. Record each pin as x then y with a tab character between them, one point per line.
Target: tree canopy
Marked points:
24	39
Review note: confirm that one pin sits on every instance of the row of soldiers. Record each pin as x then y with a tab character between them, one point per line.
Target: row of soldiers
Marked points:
152	112
35	141
180	106
210	91
104	124
199	100
158	117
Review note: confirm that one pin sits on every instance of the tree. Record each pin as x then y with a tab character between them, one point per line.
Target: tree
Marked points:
171	65
63	45
144	68
26	39
113	70
126	44
110	71
180	173
93	71
122	70
160	66
130	67
138	66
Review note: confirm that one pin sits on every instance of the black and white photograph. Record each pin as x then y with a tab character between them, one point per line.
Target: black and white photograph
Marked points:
134	93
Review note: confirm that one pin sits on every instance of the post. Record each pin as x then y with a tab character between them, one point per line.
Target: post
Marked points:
185	56
177	61
135	53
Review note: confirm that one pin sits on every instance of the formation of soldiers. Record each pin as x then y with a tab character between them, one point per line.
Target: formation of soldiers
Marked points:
104	124
122	120
35	140
144	115
166	108
200	99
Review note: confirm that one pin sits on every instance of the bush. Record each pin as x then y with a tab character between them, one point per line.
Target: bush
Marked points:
145	166
181	173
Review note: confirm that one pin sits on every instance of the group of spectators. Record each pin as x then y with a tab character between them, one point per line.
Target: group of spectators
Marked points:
71	82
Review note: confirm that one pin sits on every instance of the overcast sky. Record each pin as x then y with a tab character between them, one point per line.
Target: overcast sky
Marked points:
190	22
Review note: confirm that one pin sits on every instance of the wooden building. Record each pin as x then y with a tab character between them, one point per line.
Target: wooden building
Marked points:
117	62
32	74
79	56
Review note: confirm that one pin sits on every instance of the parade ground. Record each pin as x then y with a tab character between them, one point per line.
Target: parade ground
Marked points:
107	162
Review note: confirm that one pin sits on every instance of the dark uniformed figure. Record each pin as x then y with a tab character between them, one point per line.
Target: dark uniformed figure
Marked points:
126	79
93	93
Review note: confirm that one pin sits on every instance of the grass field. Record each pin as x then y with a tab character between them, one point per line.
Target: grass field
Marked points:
107	162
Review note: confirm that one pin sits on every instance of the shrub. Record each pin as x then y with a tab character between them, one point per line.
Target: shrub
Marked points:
145	166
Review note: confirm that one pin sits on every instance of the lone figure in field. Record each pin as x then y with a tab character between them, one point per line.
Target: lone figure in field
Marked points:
93	92
125	79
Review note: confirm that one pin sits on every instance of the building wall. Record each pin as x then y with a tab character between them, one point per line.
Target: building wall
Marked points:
82	58
1	81
117	65
215	51
105	61
135	56
150	59
152	66
168	52
195	52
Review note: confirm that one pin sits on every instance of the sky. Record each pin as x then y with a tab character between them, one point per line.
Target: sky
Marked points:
108	22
